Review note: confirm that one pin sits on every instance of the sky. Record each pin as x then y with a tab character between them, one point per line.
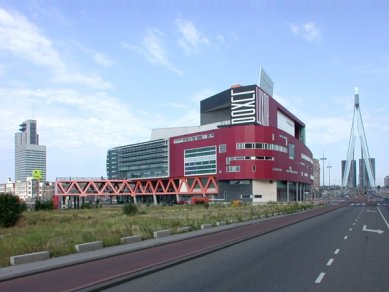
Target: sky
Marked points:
101	74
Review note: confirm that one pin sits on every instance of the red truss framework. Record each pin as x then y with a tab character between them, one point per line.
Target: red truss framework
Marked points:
200	185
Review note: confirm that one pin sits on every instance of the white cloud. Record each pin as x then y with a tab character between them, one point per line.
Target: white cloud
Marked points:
100	58
191	39
309	31
23	39
153	50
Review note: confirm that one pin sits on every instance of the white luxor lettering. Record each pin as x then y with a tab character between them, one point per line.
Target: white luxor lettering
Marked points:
243	112
243	107
243	120
235	106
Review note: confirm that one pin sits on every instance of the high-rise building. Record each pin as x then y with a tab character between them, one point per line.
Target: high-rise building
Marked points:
352	178
29	155
364	181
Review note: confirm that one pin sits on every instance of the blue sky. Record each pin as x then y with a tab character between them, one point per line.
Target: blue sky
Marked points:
100	74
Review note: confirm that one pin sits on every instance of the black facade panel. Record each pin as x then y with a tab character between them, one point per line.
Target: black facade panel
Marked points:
217	108
233	191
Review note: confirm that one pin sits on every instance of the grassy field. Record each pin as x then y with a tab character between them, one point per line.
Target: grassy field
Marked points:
59	231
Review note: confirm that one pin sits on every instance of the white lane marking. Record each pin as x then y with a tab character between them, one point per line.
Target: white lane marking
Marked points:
383	217
320	277
329	263
379	231
353	223
350	229
337	251
346	237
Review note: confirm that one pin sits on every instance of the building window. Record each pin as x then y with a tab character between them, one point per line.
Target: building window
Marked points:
199	161
265	146
291	151
194	138
233	168
222	148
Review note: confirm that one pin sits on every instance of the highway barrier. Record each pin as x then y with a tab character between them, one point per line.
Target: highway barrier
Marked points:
130	239
161	233
89	246
29	257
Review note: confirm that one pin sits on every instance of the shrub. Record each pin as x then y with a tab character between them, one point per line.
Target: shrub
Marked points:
130	209
236	203
44	205
86	206
11	208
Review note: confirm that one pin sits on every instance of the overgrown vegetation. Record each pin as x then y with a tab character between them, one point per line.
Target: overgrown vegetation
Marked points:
130	209
11	208
44	205
58	231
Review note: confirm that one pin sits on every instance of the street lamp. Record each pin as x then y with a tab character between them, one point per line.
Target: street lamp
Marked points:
323	158
329	174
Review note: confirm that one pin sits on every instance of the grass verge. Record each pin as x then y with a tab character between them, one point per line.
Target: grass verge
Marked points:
59	231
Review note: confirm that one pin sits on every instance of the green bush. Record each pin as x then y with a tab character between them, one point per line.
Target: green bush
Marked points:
44	205
86	206
11	208
130	209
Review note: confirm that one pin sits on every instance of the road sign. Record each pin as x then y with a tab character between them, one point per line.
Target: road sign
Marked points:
37	174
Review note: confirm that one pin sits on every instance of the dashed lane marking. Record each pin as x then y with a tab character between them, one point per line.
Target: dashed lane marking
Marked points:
320	278
350	229
346	237
337	251
330	261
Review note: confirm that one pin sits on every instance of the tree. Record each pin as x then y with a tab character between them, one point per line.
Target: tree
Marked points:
11	208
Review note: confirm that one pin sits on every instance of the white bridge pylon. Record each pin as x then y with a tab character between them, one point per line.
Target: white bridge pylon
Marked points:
357	129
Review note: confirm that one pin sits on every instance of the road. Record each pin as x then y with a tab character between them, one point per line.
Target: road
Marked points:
343	250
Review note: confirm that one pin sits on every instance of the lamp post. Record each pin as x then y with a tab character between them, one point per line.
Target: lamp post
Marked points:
329	174
323	158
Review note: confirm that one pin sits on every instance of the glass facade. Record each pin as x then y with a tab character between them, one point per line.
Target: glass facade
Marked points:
29	155
200	161
142	160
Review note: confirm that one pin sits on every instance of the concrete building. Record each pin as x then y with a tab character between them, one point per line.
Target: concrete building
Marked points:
316	176
352	178
8	187
364	182
386	181
29	155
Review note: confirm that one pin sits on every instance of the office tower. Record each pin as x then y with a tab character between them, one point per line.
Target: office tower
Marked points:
352	178
29	155
363	174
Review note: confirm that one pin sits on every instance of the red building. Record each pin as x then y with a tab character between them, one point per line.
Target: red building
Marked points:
256	148
248	146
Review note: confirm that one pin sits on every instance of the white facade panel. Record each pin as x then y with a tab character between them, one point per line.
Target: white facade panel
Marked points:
285	124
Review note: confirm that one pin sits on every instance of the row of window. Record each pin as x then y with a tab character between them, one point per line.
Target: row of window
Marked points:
306	157
194	138
200	161
233	158
266	146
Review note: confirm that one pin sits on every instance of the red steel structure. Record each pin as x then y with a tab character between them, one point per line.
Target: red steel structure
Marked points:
84	187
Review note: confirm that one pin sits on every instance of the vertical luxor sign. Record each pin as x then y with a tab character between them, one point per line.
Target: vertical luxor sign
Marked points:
243	107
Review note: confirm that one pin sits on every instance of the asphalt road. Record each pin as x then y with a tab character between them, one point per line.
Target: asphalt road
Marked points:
339	251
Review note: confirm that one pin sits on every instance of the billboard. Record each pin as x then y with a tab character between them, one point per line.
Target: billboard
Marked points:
265	82
37	174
